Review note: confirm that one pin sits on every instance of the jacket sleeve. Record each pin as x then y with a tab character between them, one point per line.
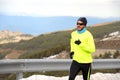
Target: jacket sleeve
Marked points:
71	44
89	45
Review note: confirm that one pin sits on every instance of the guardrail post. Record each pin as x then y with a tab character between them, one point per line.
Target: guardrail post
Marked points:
19	75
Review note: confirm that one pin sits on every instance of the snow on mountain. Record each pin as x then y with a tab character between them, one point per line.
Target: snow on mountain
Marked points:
61	55
112	36
115	33
97	76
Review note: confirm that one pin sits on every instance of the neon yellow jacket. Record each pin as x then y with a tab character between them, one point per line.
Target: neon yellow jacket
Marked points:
82	52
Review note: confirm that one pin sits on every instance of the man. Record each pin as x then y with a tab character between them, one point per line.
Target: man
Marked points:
82	47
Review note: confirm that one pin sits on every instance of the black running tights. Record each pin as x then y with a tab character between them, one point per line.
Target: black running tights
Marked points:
77	67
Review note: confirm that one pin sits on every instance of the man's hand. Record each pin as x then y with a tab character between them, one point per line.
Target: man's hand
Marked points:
71	55
77	42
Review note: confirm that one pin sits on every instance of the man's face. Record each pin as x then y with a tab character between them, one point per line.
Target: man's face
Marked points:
80	25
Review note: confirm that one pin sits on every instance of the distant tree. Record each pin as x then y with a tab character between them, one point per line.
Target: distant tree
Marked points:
116	54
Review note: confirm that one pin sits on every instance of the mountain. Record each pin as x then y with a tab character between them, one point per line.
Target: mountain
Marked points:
54	43
42	25
8	37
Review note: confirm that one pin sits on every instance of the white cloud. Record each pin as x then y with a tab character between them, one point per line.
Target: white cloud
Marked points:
96	8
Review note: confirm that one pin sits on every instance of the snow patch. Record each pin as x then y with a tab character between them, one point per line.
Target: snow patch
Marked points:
97	76
114	33
51	57
112	36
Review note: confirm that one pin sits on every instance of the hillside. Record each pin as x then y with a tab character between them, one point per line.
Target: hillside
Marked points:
8	37
53	43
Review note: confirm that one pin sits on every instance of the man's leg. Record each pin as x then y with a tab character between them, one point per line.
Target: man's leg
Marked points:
86	71
74	70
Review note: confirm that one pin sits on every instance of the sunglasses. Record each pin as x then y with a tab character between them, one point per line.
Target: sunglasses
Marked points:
80	23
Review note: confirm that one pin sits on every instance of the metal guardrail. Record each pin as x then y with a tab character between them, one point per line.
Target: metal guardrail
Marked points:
19	66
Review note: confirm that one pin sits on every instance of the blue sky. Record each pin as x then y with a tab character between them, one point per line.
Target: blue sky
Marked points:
39	9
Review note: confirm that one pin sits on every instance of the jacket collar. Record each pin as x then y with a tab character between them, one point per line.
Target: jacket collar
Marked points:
81	31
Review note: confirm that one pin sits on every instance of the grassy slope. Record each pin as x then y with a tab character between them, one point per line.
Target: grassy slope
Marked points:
55	42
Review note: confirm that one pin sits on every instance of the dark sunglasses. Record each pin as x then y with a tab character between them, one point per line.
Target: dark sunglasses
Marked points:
80	23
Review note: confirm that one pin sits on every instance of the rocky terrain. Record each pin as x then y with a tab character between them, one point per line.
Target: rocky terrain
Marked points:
8	36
